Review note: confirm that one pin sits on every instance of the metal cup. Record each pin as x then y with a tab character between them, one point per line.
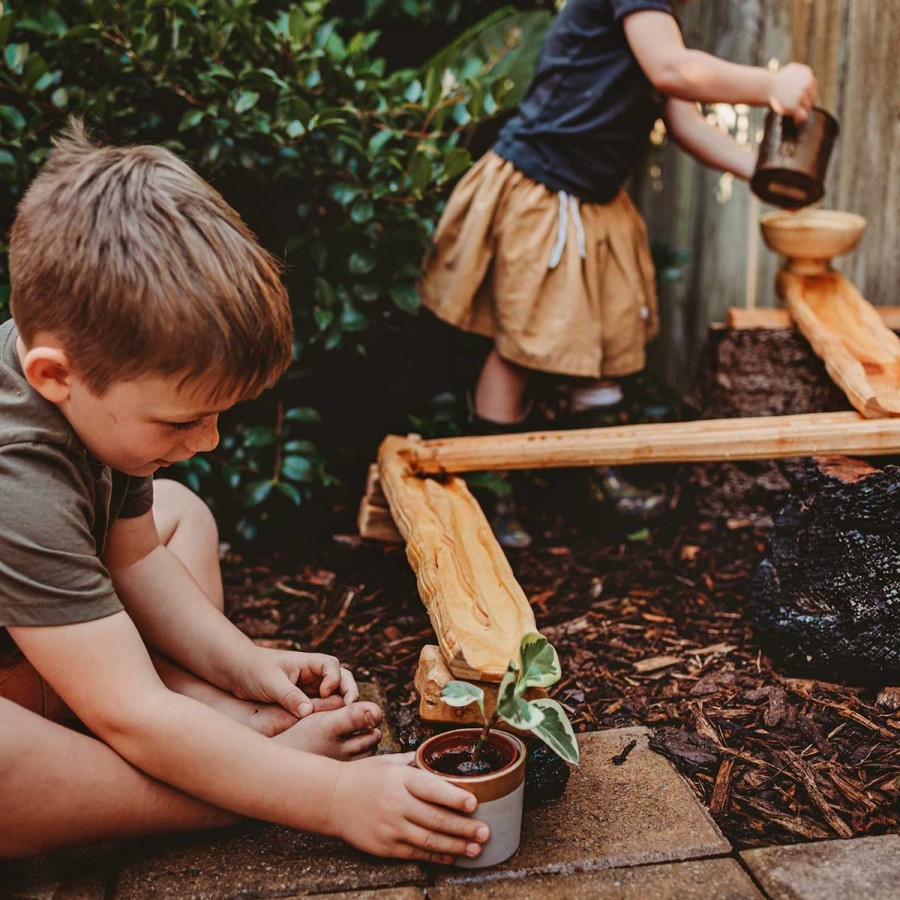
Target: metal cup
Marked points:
793	159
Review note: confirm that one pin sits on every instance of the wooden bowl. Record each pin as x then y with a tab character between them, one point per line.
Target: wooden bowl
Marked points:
812	238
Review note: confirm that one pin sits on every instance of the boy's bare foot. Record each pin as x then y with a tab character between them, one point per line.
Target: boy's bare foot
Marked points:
348	733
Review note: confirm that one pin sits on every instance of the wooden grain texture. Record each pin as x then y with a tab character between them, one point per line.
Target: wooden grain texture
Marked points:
861	354
431	676
709	440
374	520
477	608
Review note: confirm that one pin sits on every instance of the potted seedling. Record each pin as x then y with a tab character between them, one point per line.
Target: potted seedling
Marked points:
491	763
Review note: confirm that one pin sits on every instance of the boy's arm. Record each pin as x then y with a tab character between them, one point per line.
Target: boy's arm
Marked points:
690	130
675	70
174	616
102	670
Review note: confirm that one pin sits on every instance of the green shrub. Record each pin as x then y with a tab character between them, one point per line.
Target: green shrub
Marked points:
338	165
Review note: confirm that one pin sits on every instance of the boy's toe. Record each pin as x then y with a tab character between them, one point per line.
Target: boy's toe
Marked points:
362	745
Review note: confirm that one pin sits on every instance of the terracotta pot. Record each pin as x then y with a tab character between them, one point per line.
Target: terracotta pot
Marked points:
793	159
499	793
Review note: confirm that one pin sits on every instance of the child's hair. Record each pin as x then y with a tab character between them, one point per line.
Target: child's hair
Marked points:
139	267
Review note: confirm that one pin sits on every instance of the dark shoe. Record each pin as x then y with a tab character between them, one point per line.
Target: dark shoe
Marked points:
606	484
504	518
639	505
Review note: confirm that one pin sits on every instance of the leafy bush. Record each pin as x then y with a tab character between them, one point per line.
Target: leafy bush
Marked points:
338	165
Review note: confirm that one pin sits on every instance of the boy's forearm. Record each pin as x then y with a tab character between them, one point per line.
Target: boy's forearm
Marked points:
175	617
192	747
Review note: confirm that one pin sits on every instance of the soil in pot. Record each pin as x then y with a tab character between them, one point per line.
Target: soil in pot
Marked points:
458	759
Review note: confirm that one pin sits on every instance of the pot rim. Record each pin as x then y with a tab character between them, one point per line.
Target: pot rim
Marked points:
516	763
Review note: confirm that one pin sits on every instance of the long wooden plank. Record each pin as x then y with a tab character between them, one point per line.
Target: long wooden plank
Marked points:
477	608
780	319
707	440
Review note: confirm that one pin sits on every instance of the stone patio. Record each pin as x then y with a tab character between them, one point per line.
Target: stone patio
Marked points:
628	831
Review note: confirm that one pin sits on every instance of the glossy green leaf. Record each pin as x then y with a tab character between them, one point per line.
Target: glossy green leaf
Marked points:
512	708
461	693
538	663
257	492
555	730
297	468
304	414
246	101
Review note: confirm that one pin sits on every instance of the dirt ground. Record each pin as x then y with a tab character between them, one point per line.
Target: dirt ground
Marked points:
650	629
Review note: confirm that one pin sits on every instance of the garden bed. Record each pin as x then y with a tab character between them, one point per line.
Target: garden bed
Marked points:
650	630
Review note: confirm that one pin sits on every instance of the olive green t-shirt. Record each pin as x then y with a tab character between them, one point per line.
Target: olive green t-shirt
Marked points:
57	505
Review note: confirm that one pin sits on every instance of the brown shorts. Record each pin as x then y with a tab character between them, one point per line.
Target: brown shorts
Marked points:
21	683
589	315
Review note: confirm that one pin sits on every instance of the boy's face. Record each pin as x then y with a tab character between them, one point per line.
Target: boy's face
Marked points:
135	426
140	426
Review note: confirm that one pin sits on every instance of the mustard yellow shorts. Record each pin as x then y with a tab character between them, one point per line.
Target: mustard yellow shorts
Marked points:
561	286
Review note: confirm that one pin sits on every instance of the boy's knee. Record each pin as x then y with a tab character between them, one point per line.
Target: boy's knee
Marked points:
175	506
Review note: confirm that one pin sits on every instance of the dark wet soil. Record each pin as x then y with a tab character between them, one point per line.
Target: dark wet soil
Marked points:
460	761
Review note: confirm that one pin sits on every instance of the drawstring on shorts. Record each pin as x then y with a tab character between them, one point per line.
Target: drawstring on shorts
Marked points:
567	202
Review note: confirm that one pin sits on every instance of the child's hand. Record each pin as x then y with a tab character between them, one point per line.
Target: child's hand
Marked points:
291	679
385	807
794	91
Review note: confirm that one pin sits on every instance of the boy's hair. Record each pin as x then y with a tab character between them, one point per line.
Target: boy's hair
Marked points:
139	267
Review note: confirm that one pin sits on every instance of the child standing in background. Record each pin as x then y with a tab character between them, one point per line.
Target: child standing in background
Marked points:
540	249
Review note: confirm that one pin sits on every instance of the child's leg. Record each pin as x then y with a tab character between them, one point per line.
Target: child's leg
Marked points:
500	392
188	529
61	788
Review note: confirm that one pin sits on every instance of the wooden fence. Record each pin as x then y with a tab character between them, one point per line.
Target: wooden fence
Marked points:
854	48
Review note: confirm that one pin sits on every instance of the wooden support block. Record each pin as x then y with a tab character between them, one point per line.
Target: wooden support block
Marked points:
780	319
861	354
431	676
705	440
375	520
478	611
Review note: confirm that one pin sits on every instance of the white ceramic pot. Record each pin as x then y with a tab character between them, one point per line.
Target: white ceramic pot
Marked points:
499	794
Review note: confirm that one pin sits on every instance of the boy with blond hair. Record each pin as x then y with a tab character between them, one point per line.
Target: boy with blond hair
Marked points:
143	308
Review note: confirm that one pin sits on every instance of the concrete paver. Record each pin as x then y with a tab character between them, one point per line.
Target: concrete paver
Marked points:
699	879
258	861
640	812
830	870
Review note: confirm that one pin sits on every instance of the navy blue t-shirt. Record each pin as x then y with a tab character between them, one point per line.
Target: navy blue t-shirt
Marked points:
589	108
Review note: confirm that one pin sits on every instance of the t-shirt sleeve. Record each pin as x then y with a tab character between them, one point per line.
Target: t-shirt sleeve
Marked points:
622	8
50	573
138	498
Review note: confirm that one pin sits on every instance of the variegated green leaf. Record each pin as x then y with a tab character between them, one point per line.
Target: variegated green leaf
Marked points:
555	730
512	708
539	663
461	693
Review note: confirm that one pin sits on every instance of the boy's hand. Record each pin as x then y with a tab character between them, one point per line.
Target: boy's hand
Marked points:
384	806
794	91
291	679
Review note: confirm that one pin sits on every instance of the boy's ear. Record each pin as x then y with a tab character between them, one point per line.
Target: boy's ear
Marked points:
48	371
